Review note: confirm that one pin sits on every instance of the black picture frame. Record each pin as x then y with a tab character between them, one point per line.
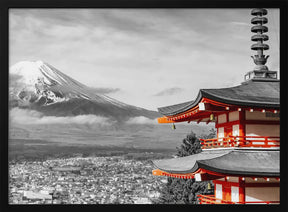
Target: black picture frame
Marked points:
4	58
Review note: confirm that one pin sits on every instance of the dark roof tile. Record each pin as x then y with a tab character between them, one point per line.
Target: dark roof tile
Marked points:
264	94
237	161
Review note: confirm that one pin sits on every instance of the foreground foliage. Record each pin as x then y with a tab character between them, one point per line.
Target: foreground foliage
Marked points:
185	191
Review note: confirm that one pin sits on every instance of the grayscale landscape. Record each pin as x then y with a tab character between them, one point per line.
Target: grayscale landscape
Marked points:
69	144
47	105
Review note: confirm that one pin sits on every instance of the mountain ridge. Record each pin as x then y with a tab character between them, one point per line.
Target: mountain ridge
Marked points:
40	86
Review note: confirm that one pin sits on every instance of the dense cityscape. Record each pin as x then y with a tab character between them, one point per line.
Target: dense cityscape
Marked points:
78	180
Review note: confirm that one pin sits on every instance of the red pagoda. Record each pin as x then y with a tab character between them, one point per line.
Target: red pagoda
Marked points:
244	160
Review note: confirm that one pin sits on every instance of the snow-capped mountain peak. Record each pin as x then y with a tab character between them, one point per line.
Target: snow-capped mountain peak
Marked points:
39	85
29	71
32	72
43	80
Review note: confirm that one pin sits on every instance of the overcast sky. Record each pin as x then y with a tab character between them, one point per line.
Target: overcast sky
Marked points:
144	57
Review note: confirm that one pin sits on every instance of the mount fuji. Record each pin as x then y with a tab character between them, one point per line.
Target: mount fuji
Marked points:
41	87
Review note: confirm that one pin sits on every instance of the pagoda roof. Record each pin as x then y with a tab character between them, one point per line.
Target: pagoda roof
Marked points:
242	162
253	93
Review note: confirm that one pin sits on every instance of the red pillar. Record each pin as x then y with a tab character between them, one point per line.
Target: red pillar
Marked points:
241	190
226	191
242	123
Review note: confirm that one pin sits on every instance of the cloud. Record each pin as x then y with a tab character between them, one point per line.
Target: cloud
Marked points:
141	120
169	91
15	81
240	23
105	90
25	116
14	77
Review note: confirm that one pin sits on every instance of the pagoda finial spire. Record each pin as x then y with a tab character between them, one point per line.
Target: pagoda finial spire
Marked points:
260	59
261	71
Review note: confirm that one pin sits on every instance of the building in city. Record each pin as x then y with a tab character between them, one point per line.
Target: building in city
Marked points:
244	159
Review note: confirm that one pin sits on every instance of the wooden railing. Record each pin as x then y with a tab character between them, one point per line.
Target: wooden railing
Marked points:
241	141
211	199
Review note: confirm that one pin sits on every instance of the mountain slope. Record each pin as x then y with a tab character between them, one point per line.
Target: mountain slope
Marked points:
40	86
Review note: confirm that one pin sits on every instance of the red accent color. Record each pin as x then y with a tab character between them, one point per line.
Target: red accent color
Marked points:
211	199
242	125
205	174
241	141
225	183
226	191
228	131
242	184
227	124
241	190
212	173
198	114
211	106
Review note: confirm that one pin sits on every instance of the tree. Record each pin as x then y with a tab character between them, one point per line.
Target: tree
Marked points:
190	145
212	134
185	191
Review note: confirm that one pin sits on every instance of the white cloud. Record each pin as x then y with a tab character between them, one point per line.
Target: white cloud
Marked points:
25	116
141	120
240	23
169	91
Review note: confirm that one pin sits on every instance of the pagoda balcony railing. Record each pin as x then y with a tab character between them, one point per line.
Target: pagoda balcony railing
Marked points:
211	199
241	141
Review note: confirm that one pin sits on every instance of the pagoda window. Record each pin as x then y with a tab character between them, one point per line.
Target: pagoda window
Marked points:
266	116
233	116
236	130
262	130
222	118
262	194
221	132
218	191
234	194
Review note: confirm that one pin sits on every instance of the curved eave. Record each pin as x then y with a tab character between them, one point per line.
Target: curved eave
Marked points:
191	115
188	164
235	162
179	108
240	172
261	94
243	103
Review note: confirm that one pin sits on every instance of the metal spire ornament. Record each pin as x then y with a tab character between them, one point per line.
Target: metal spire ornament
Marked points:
260	59
261	71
